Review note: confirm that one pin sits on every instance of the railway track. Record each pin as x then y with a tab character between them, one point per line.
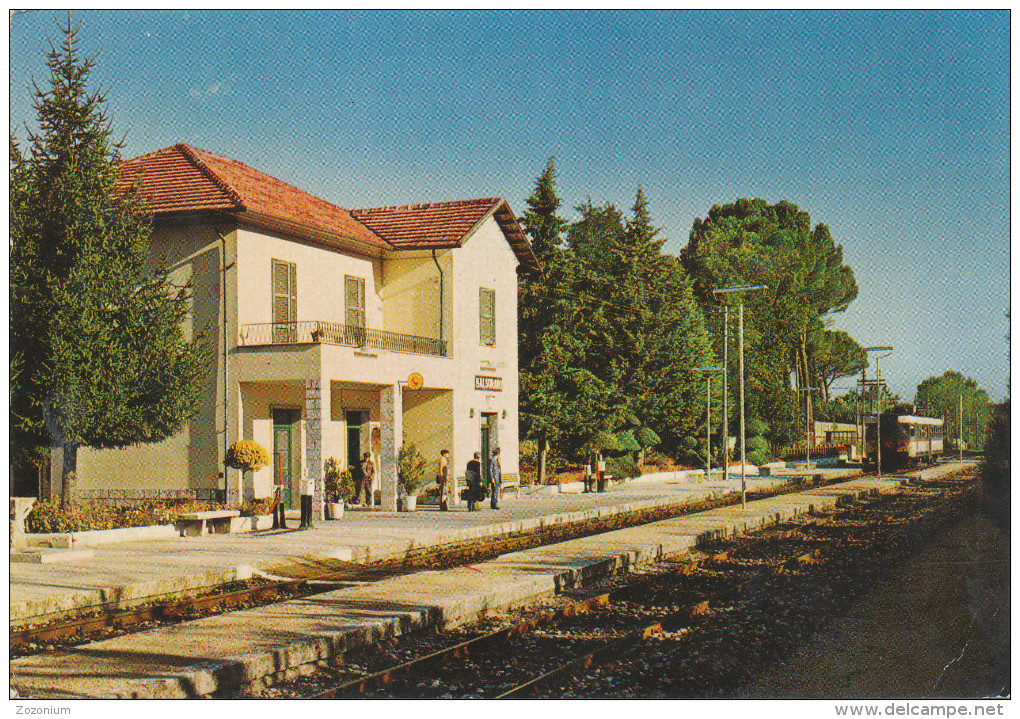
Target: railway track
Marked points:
309	578
686	628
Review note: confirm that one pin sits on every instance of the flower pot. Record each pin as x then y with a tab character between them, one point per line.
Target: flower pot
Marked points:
335	510
410	503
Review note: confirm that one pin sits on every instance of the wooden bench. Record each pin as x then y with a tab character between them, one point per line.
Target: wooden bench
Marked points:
199	524
510	481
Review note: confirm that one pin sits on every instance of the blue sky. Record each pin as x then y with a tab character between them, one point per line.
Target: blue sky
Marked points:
890	127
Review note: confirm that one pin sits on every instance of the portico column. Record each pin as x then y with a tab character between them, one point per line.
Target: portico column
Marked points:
391	414
317	404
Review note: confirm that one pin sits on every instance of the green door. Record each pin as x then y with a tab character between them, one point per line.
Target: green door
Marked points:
489	442
354	442
283	436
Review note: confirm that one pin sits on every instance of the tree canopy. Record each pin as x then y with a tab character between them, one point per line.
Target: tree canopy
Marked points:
750	242
99	357
940	397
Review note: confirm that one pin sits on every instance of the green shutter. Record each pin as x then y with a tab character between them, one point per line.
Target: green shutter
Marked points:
284	301
354	301
486	316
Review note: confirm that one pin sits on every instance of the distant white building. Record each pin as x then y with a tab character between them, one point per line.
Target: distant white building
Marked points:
319	317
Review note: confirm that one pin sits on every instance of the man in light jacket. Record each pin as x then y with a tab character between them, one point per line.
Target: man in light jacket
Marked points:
495	479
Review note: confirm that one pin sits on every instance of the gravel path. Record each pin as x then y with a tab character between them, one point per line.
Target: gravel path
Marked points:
937	626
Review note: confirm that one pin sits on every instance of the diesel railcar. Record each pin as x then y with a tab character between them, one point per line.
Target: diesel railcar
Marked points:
907	440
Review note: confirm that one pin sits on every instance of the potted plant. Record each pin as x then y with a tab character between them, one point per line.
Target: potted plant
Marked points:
247	456
411	468
340	488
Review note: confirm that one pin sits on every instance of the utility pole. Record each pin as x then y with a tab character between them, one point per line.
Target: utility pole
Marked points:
725	397
959	425
708	417
808	422
881	401
743	442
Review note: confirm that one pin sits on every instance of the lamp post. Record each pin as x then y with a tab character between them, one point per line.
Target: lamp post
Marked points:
743	450
878	416
708	417
807	424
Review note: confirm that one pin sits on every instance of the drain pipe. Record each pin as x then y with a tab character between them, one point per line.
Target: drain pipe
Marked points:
442	292
226	386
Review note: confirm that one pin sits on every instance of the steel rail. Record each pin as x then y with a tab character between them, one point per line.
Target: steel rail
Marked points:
435	557
612	650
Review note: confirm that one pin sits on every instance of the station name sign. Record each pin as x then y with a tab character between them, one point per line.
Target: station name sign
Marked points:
488	384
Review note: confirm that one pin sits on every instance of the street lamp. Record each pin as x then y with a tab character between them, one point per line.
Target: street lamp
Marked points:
807	423
878	416
743	450
708	417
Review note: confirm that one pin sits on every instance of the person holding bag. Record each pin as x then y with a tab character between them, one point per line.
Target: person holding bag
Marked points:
473	474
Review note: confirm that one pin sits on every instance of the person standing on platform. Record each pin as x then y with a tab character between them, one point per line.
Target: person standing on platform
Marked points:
443	478
367	478
495	479
590	471
357	475
474	483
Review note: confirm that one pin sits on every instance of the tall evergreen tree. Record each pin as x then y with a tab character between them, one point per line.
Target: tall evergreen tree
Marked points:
99	358
545	349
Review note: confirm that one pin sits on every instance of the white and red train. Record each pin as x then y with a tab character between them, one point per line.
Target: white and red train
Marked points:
907	440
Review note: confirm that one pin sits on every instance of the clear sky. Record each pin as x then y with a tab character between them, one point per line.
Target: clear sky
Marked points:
890	127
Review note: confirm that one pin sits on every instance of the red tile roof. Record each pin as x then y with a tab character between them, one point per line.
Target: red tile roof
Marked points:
441	225
185	179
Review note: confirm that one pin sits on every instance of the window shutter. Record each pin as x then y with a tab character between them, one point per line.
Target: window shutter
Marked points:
284	301
354	301
487	316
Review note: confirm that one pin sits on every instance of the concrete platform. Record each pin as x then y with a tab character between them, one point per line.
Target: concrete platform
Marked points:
287	639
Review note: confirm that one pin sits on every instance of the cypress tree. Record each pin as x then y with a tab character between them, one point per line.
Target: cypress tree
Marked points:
99	357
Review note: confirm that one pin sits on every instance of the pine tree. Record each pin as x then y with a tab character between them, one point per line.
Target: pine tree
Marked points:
546	350
99	357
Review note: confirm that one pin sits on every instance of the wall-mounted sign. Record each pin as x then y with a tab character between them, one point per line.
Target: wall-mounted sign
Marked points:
488	384
415	381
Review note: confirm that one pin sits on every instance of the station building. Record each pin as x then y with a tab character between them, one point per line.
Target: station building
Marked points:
336	332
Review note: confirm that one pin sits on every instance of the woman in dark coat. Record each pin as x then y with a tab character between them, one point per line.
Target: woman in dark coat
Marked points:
474	482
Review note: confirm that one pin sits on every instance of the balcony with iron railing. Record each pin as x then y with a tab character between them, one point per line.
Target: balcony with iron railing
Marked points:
333	333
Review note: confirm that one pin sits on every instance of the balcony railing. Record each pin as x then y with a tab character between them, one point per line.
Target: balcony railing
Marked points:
314	332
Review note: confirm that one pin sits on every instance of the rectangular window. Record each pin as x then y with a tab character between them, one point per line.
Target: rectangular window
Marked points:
284	302
354	301
487	316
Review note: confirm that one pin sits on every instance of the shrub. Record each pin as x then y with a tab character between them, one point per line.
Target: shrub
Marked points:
339	482
411	468
47	517
257	507
622	468
646	437
247	456
658	460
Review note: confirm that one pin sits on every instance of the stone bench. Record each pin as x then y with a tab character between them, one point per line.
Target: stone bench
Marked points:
198	524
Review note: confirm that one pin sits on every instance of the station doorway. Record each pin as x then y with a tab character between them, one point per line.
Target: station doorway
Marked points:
489	442
283	451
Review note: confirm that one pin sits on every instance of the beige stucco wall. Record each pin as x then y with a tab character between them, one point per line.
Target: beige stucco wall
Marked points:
410	293
428	421
320	279
485	260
